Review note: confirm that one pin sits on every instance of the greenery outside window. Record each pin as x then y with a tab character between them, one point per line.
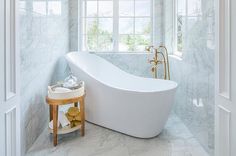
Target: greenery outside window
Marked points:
115	25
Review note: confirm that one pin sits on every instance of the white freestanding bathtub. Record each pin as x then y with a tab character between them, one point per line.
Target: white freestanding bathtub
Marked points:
120	101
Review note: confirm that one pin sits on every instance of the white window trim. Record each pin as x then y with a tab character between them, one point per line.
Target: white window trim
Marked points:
115	27
174	18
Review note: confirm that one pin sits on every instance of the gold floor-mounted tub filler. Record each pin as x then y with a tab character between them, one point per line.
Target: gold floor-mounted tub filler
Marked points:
160	57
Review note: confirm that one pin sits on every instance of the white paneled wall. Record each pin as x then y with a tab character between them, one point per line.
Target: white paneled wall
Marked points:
9	78
225	79
225	50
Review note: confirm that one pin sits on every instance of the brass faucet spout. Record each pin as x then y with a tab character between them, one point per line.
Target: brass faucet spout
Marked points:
156	60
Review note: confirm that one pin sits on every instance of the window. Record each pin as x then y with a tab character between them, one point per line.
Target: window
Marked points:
41	7
116	25
188	12
180	13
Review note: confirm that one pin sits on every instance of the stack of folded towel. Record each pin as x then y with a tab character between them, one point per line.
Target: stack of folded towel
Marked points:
73	115
72	118
62	120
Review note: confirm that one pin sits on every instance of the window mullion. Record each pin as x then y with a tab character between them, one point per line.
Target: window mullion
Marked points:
175	23
85	25
80	27
115	34
155	27
152	19
97	23
134	26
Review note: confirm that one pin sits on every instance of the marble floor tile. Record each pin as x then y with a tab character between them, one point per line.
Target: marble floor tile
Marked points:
175	140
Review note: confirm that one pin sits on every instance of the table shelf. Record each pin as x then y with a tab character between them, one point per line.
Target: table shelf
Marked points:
66	129
53	111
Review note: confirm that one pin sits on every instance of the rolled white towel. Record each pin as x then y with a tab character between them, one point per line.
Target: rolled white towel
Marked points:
51	124
63	119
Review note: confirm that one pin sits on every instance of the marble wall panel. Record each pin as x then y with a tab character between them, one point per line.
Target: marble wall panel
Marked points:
44	39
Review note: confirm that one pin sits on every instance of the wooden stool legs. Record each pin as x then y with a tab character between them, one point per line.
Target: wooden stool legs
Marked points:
55	121
82	111
53	112
50	113
82	115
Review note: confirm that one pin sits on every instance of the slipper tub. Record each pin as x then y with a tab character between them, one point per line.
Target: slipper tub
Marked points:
117	100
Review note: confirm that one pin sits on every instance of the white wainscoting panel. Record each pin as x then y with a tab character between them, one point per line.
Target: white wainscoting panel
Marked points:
9	77
224	131
10	55
10	130
224	48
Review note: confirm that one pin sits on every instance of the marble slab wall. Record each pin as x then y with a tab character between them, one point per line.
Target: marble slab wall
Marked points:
194	71
44	39
135	64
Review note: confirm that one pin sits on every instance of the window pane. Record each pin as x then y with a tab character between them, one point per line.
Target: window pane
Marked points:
141	41
91	42
142	8
97	27
181	7
91	34
91	26
126	7
142	26
105	25
105	8
126	43
91	9
126	25
105	42
194	8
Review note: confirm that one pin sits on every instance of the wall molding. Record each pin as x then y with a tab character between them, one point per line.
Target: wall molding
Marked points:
10	50
9	71
10	132
224	123
225	49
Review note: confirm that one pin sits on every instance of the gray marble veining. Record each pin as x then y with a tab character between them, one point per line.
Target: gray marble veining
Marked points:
44	39
73	24
194	71
135	64
175	140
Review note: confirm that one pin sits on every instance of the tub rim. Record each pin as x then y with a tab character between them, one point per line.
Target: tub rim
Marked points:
174	85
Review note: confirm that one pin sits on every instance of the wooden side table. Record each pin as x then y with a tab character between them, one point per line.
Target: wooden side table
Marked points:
53	110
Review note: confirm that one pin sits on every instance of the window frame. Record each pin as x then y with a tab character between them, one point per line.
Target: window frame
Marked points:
115	34
175	32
